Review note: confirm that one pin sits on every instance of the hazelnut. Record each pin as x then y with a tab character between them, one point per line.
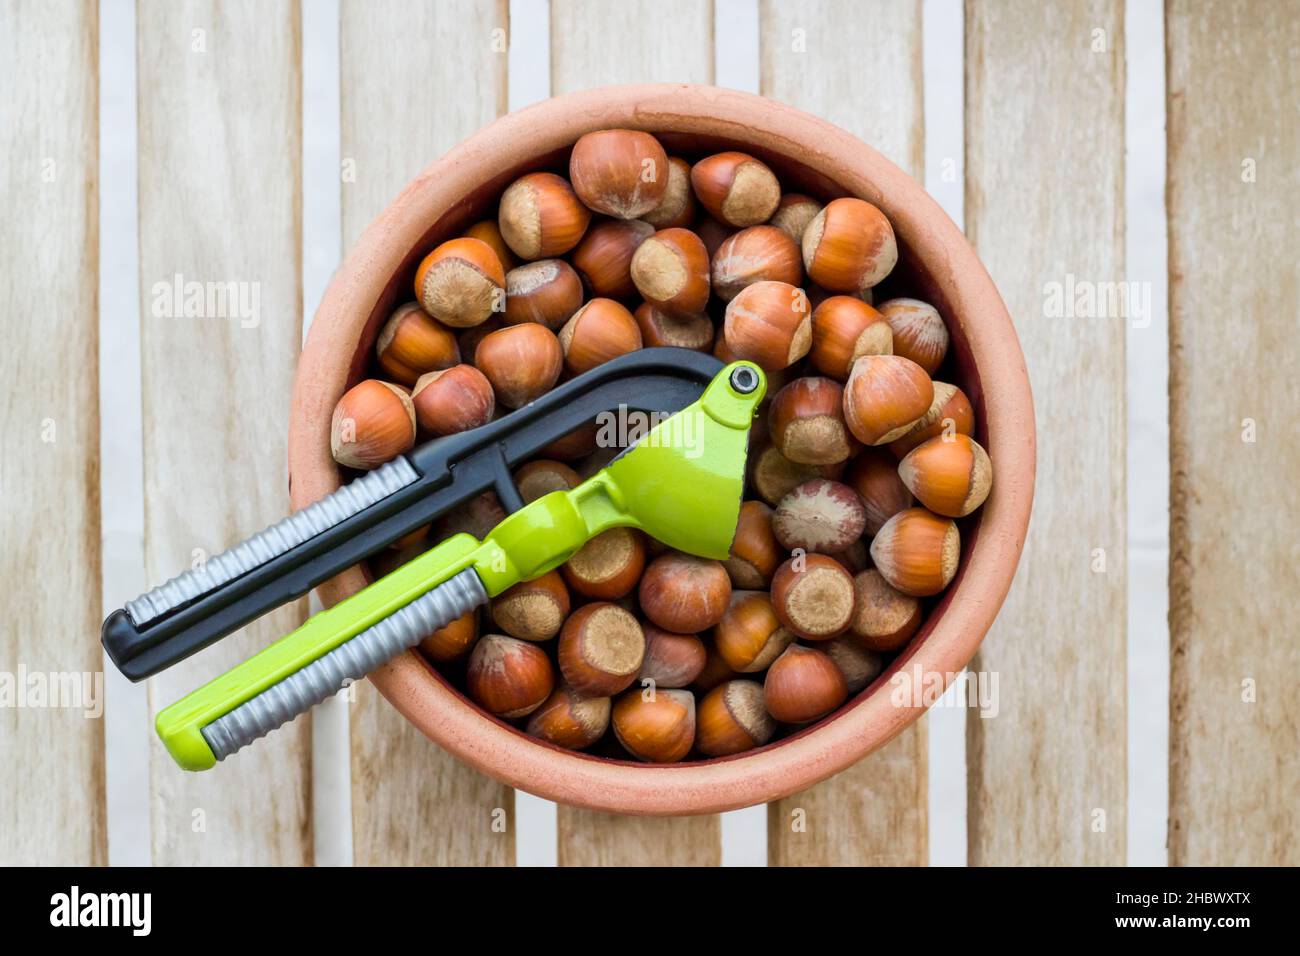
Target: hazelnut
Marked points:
475	517
604	257
540	217
917	552
853	558
843	330
532	610
885	396
819	515
919	332
540	477
736	188
508	677
453	641
802	685
812	595
570	720
579	443
806	421
601	330
884	619
774	476
793	213
620	172
754	551
874	476
849	246
373	423
467	340
523	362
768	323
684	594
547	291
756	254
453	400
412	343
716	670
712	233
608	566
488	231
950	476
671	270
461	283
658	327
750	635
950	413
857	664
671	660
677	208
733	718
657	728
601	649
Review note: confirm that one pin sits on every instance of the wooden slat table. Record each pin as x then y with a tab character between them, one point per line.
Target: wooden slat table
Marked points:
220	156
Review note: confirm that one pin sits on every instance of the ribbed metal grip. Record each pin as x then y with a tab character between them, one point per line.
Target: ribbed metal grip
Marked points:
351	499
350	661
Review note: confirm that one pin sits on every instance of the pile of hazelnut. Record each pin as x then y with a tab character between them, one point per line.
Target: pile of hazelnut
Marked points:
859	462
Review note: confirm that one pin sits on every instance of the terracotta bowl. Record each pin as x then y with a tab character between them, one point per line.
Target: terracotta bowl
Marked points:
936	263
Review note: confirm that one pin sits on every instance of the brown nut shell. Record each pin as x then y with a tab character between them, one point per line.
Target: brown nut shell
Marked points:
884	618
508	677
750	635
802	685
461	283
547	291
756	254
523	362
622	173
849	246
684	594
885	396
541	217
736	188
372	423
601	649
768	323
733	718
570	720
812	595
919	332
917	552
532	610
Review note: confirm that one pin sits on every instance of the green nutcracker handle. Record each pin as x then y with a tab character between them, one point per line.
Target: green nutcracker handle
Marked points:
682	483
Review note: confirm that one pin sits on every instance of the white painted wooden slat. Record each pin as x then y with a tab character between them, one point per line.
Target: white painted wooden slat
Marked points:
220	147
51	678
1234	370
1045	210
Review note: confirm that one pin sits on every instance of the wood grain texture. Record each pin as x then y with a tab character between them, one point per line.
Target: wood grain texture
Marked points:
220	203
596	43
1234	734
588	838
444	77
1044	205
657	41
831	60
51	744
